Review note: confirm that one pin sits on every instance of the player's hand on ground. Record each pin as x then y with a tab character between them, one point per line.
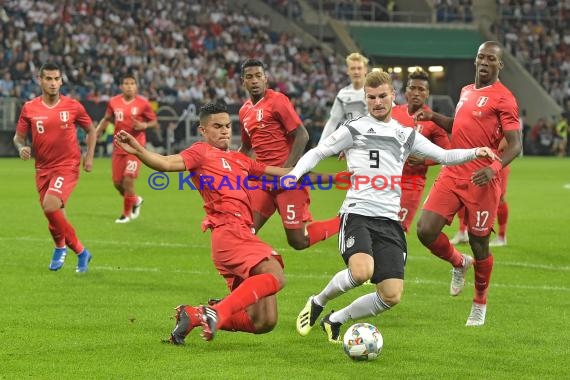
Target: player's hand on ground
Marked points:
485	152
341	156
26	153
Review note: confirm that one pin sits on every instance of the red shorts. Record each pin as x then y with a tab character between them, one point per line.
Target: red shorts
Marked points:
409	204
504	174
236	251
124	165
449	194
59	182
292	205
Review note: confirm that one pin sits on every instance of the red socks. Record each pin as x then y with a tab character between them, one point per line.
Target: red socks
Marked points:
57	226
128	202
483	269
322	229
240	321
442	248
502	217
247	293
62	232
71	239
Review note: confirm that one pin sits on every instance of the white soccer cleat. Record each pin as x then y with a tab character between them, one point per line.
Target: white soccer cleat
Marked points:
458	276
136	210
123	219
461	237
477	315
498	242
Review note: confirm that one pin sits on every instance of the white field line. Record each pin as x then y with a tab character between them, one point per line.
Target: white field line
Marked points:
300	275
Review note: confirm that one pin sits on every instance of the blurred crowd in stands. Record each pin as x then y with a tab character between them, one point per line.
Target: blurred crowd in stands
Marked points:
180	51
537	33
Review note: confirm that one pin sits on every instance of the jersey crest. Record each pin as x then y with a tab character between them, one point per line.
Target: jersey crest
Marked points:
350	242
401	136
64	116
482	101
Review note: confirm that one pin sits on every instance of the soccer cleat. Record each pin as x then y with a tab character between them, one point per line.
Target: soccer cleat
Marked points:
331	328
461	237
458	276
498	242
308	316
213	301
187	317
122	219
209	321
58	258
477	315
136	210
83	260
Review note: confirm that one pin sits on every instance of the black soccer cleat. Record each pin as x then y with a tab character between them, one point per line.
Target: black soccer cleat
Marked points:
209	321
331	328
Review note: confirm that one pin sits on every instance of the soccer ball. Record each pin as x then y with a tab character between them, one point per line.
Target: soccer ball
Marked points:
363	341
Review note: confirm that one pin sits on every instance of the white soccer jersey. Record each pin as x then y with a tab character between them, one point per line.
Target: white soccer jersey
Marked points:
375	153
348	104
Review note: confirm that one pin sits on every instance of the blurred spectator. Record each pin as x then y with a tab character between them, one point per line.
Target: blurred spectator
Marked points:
7	85
559	145
541	138
453	10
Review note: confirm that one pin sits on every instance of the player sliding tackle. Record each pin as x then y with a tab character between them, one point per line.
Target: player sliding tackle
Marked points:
252	269
371	239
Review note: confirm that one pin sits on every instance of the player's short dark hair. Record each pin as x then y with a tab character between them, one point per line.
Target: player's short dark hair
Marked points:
419	75
251	62
129	75
211	109
49	66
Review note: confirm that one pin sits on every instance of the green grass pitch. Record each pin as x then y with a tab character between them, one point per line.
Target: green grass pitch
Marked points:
108	323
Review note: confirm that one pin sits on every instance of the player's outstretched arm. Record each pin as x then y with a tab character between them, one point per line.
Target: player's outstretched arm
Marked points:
277	171
442	121
425	148
172	163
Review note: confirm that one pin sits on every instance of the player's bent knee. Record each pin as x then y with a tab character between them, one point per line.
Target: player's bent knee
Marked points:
426	233
361	274
265	324
298	243
392	299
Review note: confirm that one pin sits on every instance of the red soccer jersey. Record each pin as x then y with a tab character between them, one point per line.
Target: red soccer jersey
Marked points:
221	178
481	116
267	126
54	131
428	129
125	112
